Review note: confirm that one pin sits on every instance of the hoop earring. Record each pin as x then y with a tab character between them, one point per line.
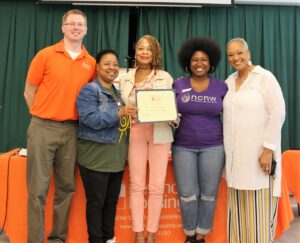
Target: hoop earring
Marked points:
187	69
249	63
212	69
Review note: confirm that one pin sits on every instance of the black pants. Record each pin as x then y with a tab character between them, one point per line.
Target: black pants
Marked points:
102	192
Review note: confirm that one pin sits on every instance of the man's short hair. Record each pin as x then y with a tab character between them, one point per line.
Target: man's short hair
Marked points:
74	11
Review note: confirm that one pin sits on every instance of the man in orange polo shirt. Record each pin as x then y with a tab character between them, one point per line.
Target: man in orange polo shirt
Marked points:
54	79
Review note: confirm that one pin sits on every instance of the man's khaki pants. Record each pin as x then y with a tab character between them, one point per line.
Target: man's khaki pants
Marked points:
51	147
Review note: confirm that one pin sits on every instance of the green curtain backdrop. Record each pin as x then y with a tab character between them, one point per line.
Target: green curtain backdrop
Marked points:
271	32
27	27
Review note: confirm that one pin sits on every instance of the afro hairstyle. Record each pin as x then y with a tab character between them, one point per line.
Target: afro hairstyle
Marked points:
199	43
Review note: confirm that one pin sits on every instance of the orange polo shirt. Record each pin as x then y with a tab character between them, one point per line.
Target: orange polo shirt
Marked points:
59	79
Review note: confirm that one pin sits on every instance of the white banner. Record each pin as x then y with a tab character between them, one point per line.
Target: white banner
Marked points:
146	2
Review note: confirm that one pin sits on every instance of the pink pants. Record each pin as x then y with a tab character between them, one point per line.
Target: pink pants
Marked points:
141	151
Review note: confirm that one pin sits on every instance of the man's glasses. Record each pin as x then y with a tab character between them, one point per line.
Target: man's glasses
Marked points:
73	24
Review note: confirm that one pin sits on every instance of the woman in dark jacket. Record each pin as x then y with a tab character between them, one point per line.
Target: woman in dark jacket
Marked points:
102	146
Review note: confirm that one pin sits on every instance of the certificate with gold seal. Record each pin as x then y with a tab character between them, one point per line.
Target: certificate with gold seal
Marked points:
156	105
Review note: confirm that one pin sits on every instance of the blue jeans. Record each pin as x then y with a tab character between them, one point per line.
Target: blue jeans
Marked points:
198	173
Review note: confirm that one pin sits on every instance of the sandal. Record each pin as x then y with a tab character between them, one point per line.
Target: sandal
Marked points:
190	239
139	237
151	237
199	240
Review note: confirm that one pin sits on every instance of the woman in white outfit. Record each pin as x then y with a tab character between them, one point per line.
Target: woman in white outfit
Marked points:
254	113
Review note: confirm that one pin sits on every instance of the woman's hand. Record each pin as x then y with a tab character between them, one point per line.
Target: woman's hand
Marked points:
175	123
265	160
128	110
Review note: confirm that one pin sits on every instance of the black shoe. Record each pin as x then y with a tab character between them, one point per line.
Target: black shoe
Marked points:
190	239
200	241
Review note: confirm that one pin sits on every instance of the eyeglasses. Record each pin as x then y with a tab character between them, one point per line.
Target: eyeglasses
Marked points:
73	24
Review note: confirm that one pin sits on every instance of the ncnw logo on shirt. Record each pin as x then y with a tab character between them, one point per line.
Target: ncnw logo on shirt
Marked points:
198	98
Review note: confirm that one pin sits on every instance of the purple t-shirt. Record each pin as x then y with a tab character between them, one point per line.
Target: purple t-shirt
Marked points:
200	124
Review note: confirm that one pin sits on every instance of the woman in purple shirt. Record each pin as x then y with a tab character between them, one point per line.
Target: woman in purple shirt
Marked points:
198	152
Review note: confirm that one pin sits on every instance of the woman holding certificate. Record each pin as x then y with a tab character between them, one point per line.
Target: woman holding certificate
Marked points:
148	142
198	152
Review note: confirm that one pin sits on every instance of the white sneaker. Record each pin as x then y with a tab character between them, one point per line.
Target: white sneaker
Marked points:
112	240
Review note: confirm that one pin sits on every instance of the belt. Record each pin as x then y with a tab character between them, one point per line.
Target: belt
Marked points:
56	122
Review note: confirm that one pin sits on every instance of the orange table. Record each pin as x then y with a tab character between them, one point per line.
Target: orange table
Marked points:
13	191
291	169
